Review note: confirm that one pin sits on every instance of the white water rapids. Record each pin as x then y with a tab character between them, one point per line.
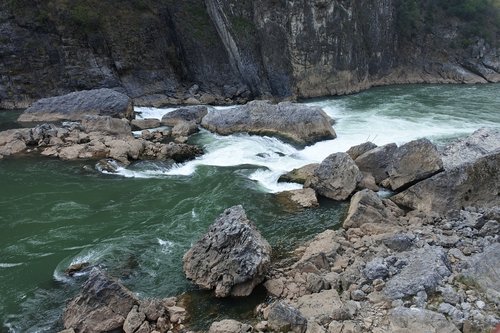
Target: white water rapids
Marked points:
390	118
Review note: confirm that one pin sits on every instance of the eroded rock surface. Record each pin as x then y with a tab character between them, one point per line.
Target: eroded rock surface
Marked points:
232	257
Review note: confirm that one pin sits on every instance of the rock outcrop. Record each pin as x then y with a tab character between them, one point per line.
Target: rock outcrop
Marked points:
470	184
297	122
412	162
232	257
105	305
336	177
77	105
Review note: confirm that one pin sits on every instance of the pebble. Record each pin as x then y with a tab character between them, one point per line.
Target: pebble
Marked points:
480	304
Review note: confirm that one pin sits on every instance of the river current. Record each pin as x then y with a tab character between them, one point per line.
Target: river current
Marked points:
138	223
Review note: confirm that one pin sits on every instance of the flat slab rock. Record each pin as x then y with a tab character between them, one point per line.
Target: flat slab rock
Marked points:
297	122
76	105
232	257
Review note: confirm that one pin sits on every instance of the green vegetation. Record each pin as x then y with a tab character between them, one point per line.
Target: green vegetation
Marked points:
478	18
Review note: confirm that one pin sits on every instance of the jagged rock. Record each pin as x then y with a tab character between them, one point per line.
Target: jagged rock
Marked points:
142	124
336	177
179	152
102	305
285	318
356	151
297	122
106	124
484	271
14	141
229	326
368	182
366	207
473	184
232	257
425	269
299	175
376	161
134	320
303	198
398	242
415	320
480	143
74	106
376	269
186	114
412	162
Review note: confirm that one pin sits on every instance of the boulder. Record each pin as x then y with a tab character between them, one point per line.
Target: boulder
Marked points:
285	318
232	257
412	162
297	122
229	326
106	124
179	152
358	150
102	306
484	271
302	198
366	207
76	105
141	124
471	184
416	320
299	175
184	129
336	177
480	143
424	270
319	306
376	161
186	114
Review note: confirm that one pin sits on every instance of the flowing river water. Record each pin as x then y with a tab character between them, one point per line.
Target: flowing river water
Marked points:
138	223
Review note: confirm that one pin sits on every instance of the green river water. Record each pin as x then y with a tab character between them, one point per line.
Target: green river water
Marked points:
138	224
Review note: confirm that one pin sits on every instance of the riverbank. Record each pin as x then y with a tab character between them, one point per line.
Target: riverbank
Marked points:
151	213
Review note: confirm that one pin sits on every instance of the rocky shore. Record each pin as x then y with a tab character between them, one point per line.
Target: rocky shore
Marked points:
423	259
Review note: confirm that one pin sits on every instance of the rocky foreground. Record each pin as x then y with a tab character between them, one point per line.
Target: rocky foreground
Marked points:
426	259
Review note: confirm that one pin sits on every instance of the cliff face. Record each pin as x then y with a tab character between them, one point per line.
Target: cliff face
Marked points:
224	51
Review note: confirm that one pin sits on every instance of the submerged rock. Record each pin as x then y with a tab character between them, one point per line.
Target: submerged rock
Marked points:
297	122
232	257
336	177
76	105
299	175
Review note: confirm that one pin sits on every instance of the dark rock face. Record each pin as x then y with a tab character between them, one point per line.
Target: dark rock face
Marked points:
336	177
412	162
223	51
299	123
471	184
74	106
102	306
187	114
232	257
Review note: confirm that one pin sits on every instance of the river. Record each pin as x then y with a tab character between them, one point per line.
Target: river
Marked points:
138	224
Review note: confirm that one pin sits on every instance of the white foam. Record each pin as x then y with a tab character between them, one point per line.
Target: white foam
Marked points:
165	245
9	265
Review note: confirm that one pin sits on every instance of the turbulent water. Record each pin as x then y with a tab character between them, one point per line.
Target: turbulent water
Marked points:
138	224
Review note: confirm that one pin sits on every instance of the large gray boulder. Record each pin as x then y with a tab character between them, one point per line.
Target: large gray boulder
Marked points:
74	106
470	184
425	269
412	162
296	122
482	142
336	177
232	257
484	271
102	306
376	161
416	320
186	114
366	207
